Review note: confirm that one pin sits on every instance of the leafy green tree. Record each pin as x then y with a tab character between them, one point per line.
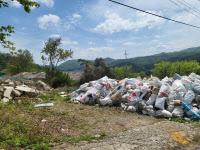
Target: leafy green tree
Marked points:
6	31
120	72
53	54
184	67
20	62
161	69
96	70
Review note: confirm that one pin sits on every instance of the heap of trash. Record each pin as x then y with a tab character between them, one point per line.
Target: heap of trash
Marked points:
11	89
170	97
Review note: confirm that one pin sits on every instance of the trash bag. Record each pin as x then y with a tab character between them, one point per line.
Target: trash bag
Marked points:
152	99
160	102
164	90
178	112
106	101
189	97
178	86
163	113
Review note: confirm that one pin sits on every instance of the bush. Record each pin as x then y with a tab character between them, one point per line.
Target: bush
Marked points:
57	78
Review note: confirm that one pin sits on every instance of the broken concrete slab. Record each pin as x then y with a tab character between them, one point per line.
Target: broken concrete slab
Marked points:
8	93
5	100
24	88
17	93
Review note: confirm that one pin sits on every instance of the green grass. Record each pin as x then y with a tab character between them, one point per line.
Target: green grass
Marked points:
180	120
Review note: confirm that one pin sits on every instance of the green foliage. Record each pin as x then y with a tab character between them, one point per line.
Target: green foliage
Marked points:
164	68
56	78
142	63
4	59
7	31
96	70
20	62
120	72
55	54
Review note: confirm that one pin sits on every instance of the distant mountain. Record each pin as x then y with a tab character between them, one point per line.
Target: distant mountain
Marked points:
145	63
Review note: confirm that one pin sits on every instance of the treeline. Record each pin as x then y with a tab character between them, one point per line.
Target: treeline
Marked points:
21	61
165	68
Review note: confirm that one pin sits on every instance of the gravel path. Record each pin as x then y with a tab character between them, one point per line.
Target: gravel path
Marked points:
159	136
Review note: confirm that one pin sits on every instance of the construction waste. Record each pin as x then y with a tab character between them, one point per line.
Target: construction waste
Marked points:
13	89
170	97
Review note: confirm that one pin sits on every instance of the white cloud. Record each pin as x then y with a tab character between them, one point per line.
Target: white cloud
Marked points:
115	23
129	43
49	21
100	49
68	42
91	43
75	18
48	3
54	36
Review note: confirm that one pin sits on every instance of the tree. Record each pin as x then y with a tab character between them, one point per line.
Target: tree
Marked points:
96	70
20	62
120	72
7	31
54	55
162	69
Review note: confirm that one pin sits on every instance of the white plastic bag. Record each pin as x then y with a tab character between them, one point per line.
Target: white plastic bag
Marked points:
107	100
178	86
163	113
192	76
189	97
164	90
178	112
152	99
131	109
82	87
160	102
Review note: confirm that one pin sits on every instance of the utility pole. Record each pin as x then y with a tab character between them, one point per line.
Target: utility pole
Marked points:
126	62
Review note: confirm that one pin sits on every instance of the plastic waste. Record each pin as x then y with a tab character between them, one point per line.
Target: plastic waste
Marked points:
189	97
163	113
190	112
164	90
178	86
160	102
152	99
178	112
131	109
44	105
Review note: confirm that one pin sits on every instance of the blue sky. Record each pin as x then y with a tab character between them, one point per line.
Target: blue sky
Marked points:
99	28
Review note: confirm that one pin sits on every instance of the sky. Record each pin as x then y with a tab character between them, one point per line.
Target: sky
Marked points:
100	28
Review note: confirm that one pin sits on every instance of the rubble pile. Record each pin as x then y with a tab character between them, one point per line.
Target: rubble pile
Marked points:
170	97
13	89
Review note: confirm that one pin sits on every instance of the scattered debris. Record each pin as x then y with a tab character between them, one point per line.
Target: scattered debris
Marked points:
44	105
12	89
170	97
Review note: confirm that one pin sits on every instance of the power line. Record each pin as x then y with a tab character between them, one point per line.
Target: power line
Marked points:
184	8
154	14
192	7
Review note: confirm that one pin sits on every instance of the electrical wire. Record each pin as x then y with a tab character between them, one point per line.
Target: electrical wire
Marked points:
184	8
189	6
154	14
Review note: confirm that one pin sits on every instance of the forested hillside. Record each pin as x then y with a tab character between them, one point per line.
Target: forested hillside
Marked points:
142	63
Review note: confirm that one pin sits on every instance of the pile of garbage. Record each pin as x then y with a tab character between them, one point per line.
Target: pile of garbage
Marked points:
170	97
13	89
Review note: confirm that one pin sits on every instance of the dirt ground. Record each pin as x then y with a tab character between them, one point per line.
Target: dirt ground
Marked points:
77	126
